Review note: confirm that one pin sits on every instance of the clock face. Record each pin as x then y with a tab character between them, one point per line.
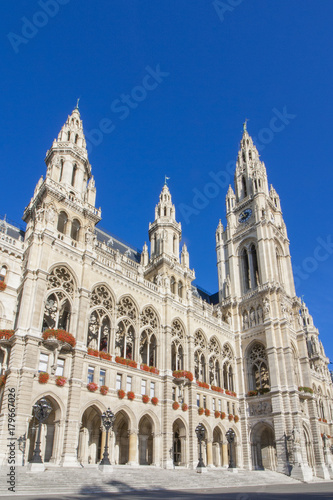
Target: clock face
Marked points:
245	215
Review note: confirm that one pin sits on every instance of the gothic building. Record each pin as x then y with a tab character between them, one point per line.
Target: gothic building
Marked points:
88	322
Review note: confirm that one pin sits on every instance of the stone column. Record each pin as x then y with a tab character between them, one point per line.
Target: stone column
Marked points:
225	458
133	448
210	454
103	444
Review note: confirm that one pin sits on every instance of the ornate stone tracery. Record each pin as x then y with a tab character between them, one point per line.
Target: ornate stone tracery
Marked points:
60	277
177	348
126	307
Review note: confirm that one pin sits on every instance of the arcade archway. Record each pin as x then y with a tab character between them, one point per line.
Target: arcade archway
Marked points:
263	447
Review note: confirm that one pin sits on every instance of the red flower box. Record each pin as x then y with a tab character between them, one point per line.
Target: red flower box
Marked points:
105	355
154	370
61	381
175	405
201	411
207	412
130	395
60	335
2	380
216	389
183	373
252	393
223	415
236	418
154	400
43	377
121	394
184	407
217	414
132	363
231	393
144	367
203	384
128	362
145	398
6	334
104	390
92	387
93	352
3	286
230	417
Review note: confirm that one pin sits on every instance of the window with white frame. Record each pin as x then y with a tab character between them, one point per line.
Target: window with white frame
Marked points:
128	383
214	404
3	272
60	367
152	389
198	400
118	381
143	387
102	375
43	362
91	372
220	405
204	402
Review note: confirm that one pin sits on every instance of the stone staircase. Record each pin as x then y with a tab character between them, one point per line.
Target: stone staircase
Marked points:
89	480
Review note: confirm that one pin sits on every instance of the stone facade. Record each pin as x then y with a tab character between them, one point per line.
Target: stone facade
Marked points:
166	354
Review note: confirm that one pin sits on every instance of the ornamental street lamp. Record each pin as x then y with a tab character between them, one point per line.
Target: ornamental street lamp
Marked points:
108	419
42	410
231	438
200	432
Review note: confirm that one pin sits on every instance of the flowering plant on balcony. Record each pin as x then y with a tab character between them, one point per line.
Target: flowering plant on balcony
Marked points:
175	405
252	393
3	286
207	412
6	334
154	400
324	420
92	387
60	335
43	377
231	393
121	394
93	352
203	384
201	411
153	369
306	389
236	418
183	373
144	367
125	361
319	419
104	390
223	415
105	355
230	417
145	398
184	407
61	381
2	380
217	414
216	389
130	395
264	390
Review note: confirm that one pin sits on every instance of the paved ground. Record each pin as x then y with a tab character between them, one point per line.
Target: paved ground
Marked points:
154	483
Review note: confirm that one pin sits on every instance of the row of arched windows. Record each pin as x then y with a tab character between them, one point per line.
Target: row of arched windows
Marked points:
62	226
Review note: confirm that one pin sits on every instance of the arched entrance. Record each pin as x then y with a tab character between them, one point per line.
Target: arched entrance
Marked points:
121	428
90	438
50	450
217	447
145	441
309	449
263	447
179	443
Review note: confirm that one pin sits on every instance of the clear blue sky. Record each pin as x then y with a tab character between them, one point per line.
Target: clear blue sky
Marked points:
218	67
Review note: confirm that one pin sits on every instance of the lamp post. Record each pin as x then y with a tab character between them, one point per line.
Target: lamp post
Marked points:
231	438
42	410
200	432
108	419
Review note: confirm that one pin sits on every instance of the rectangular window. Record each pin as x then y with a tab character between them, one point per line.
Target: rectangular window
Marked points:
228	407
220	405
43	362
102	374
118	381
204	402
143	387
214	407
152	389
198	400
91	371
233	409
174	394
60	367
128	383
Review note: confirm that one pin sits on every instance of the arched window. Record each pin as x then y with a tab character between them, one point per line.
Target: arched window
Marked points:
61	169
180	288
258	368
76	138
174	244
3	273
148	348
62	222
74	174
99	331
173	284
244	188
75	232
255	269
250	155
125	339
200	366
57	310
165	211
214	371
177	350
245	270
68	135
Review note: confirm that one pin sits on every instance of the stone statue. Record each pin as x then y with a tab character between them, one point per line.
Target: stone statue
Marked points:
158	279
50	215
267	306
245	320
253	318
